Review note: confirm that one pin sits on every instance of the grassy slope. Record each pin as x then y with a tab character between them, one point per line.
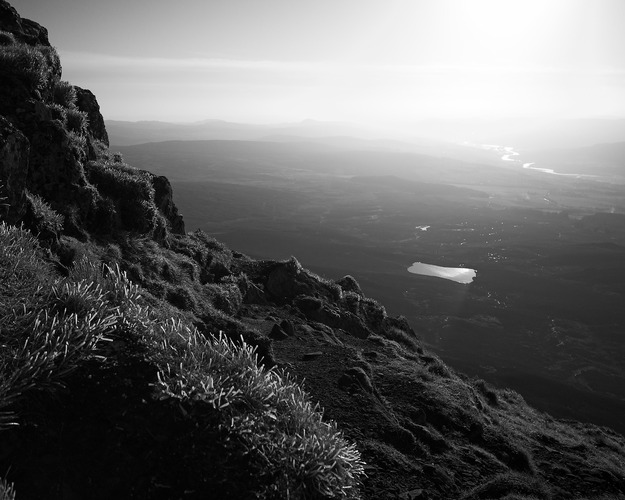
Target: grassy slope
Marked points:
86	352
156	405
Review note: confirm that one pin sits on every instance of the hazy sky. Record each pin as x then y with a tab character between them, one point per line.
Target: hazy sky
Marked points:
360	60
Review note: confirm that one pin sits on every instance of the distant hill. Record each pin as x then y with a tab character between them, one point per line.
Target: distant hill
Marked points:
125	133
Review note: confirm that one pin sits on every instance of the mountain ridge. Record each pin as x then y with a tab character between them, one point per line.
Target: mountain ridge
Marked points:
424	431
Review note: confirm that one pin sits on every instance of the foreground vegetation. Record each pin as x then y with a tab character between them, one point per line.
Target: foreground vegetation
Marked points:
52	325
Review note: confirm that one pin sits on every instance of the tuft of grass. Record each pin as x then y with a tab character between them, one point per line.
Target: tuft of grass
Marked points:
47	326
58	112
25	63
41	217
301	455
22	271
120	181
7	492
77	142
64	94
76	121
52	68
488	391
7	38
402	337
373	312
132	194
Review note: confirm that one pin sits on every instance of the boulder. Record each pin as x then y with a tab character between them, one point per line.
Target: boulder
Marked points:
349	284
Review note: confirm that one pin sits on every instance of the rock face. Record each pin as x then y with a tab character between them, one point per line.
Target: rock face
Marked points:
163	197
24	30
54	145
86	102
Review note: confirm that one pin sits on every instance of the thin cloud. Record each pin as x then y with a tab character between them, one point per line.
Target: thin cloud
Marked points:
104	62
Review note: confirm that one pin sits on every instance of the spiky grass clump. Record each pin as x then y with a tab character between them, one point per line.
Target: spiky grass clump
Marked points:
7	492
22	271
41	217
64	94
298	454
76	121
7	38
36	67
302	456
24	62
52	325
47	326
402	337
120	180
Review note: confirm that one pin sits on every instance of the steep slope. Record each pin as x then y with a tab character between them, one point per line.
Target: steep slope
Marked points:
146	406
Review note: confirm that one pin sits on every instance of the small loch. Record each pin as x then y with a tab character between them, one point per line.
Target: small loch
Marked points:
457	274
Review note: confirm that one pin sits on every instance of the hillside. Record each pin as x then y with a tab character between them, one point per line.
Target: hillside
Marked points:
141	361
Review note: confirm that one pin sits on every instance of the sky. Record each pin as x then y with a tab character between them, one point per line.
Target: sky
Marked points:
370	61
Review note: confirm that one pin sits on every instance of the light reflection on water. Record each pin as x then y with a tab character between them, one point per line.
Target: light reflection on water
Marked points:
457	274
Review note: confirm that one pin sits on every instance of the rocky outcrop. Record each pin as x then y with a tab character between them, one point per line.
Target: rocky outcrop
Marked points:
288	279
87	102
54	145
25	30
164	200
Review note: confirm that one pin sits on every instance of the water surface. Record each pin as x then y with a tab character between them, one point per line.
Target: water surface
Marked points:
457	274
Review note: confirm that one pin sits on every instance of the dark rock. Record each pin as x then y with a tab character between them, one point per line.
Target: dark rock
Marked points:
316	309
287	280
356	377
25	30
412	494
401	323
327	334
88	103
308	305
277	333
163	198
288	327
349	284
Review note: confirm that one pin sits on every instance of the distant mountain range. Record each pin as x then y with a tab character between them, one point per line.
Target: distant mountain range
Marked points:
522	133
125	133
